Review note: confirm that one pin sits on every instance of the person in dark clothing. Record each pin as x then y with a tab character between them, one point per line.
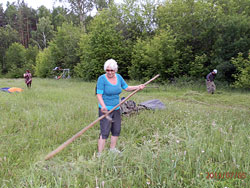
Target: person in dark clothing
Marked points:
210	81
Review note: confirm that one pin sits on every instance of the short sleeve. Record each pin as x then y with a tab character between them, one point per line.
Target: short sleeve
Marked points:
124	85
100	85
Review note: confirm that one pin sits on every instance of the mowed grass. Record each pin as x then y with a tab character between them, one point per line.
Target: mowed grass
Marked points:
196	135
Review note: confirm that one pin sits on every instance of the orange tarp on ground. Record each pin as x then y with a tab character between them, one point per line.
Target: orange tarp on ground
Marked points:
11	89
15	89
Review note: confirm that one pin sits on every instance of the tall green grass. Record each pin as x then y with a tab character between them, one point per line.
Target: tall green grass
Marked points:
196	134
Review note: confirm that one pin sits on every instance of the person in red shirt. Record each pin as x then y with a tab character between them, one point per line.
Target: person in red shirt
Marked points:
28	78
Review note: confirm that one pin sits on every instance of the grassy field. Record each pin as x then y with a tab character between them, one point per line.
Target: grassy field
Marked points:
199	140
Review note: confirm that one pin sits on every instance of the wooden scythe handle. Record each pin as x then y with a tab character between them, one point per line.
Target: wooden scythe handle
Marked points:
62	146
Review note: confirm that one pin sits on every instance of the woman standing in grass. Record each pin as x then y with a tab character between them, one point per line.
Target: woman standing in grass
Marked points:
28	78
109	87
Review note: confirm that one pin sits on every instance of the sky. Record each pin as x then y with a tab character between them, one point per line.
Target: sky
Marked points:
36	3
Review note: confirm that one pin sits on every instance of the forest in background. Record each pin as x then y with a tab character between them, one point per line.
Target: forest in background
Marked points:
176	38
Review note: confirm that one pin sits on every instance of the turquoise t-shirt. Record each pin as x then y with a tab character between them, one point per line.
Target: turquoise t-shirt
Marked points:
110	92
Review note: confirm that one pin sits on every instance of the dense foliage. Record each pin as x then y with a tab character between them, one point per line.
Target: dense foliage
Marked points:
157	55
174	38
104	41
243	71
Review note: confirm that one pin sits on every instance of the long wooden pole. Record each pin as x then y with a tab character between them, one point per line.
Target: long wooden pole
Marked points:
61	147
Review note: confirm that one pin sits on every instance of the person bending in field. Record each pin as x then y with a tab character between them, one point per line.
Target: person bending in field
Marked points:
210	81
28	78
109	86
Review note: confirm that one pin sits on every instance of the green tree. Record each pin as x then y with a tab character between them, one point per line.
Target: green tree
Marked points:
25	22
242	74
101	4
11	15
81	8
137	18
233	37
44	63
197	68
43	12
59	16
21	18
30	58
192	23
65	45
218	29
3	21
15	60
7	36
43	34
104	41
156	56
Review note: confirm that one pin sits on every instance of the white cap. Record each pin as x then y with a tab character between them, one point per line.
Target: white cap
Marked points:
215	71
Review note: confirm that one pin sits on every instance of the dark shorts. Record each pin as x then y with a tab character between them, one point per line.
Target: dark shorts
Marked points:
106	126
